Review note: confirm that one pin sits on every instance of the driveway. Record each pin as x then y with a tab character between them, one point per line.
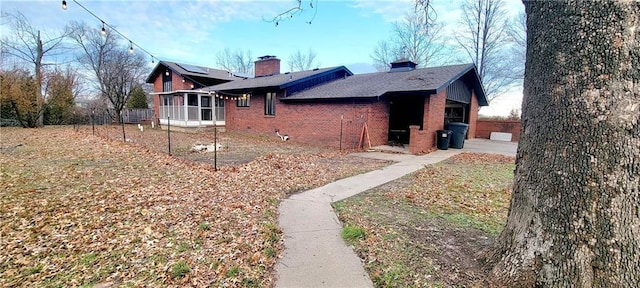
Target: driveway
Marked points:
490	146
471	145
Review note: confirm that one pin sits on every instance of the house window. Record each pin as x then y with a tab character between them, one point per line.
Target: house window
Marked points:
243	101
192	100
219	106
270	104
166	81
206	113
205	101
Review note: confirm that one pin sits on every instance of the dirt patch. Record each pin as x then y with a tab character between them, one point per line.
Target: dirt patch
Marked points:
237	148
456	251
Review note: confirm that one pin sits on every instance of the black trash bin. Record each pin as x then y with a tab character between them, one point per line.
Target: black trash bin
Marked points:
459	132
443	137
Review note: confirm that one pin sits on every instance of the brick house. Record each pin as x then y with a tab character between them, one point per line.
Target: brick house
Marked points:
332	107
178	95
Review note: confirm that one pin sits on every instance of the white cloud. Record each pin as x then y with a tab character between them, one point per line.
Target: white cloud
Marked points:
390	10
504	103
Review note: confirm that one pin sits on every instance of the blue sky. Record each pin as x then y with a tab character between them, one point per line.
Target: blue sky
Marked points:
193	32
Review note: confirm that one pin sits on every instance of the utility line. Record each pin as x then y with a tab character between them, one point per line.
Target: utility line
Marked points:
131	43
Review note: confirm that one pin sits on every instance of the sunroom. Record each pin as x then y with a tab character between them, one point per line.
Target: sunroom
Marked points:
190	109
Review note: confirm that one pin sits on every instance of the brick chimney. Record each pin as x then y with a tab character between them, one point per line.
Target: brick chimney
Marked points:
267	65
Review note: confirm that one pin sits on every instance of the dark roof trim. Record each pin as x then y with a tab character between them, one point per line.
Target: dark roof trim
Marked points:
240	91
330	100
314	76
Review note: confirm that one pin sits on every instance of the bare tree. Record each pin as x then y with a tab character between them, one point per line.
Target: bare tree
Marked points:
299	61
384	53
236	61
413	39
295	10
482	39
574	217
116	69
517	32
424	8
27	44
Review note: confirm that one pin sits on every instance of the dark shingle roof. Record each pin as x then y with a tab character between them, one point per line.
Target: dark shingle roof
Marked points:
430	80
278	80
203	72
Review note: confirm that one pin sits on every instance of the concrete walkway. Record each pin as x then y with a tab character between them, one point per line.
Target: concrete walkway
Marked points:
315	254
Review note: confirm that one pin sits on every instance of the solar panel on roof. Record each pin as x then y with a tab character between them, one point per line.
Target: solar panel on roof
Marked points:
192	68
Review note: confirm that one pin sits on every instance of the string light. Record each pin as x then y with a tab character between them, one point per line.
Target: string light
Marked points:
104	30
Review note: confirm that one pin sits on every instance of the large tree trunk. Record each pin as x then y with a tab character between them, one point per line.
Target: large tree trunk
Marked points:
574	219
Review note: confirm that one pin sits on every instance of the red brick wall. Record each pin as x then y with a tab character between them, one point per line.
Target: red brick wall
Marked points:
312	123
418	140
485	127
473	116
157	87
421	141
319	123
176	84
267	67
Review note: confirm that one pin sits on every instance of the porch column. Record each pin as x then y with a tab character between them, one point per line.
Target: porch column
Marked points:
214	113
185	108
199	110
418	140
173	108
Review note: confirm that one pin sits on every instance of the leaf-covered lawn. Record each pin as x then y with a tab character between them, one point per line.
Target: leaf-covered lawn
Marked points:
237	148
83	210
429	229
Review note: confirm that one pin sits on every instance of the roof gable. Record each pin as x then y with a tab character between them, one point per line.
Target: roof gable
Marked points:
191	71
293	81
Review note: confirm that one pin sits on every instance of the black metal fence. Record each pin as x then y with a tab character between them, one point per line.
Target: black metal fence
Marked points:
108	116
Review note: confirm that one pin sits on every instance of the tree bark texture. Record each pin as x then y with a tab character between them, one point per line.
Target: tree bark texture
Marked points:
574	219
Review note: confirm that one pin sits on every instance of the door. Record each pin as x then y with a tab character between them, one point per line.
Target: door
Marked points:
403	112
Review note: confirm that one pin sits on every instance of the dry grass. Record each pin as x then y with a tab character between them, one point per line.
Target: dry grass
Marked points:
428	229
